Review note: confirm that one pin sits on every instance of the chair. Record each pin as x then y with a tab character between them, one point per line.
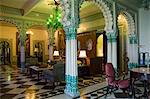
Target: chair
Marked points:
112	82
55	75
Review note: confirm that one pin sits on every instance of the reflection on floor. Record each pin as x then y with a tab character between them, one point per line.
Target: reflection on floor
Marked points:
15	85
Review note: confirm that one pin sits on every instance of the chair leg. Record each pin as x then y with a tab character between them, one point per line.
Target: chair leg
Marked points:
45	80
107	91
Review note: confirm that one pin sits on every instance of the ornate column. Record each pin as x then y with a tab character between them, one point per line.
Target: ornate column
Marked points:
68	62
134	51
114	39
51	42
114	50
130	50
70	23
109	48
71	63
22	48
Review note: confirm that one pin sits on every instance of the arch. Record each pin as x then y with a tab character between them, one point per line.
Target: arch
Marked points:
101	5
130	21
20	24
106	13
12	21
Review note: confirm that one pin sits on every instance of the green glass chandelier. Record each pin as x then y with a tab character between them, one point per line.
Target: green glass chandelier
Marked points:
54	20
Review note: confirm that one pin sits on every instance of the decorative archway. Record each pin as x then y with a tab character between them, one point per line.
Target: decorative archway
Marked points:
101	5
106	13
12	21
130	21
70	21
5	53
132	50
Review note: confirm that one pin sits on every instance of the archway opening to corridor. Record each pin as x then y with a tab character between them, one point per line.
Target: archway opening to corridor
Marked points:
123	41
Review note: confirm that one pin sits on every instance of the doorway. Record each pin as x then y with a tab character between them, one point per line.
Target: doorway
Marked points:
4	52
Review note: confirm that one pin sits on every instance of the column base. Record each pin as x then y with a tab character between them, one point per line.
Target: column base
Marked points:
132	65
72	94
22	67
72	86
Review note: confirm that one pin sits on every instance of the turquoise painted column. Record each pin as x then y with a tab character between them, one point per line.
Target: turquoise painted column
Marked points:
114	37
109	48
22	49
71	66
70	21
129	51
114	51
68	63
133	41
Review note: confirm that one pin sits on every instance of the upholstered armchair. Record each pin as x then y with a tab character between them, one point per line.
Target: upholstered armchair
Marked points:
57	74
112	82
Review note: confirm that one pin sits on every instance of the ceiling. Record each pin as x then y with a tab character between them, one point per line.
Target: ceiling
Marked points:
42	6
41	9
45	6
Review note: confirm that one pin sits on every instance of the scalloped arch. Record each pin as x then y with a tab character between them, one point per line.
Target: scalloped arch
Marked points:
20	24
101	5
130	21
12	21
106	13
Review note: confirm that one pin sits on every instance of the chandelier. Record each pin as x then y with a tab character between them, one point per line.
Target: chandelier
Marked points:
54	20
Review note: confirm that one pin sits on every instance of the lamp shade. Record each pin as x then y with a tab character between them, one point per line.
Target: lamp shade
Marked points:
35	49
56	53
82	54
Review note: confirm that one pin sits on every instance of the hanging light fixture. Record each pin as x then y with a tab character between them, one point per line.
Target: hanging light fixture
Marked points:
54	20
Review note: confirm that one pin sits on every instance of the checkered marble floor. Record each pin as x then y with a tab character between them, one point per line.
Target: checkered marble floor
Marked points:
16	85
116	93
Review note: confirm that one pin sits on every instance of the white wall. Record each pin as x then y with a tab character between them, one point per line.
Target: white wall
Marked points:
144	30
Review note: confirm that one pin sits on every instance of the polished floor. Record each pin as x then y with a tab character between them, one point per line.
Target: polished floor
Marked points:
16	85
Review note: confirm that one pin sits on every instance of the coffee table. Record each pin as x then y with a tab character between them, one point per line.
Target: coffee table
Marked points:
37	70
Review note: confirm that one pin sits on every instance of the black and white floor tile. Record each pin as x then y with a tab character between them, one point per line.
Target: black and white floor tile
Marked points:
15	85
116	93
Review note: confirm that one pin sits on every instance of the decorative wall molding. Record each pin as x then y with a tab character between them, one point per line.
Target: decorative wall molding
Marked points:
18	13
9	10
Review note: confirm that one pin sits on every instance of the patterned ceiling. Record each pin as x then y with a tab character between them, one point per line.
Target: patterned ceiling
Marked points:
41	9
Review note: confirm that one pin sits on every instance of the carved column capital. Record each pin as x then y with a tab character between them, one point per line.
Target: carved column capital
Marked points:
108	37
114	37
133	39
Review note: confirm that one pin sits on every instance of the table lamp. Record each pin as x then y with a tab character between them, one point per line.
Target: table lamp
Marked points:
82	55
